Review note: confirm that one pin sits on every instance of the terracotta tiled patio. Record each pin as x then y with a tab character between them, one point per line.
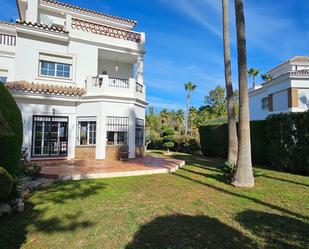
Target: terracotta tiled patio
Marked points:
91	169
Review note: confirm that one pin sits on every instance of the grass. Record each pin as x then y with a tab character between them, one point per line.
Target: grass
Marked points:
193	208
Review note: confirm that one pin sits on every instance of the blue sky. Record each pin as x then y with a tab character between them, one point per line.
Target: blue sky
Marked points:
184	40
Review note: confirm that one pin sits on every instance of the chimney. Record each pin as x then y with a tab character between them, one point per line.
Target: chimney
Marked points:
32	11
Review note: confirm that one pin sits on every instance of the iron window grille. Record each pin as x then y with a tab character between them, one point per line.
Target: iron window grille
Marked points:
86	131
117	130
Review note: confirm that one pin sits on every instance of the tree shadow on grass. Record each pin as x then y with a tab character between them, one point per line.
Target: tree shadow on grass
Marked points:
185	232
36	217
257	201
285	180
276	230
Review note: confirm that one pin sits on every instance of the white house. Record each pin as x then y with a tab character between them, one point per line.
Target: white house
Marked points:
77	77
287	91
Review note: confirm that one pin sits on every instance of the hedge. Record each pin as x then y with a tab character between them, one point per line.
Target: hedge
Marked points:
280	142
288	134
11	132
214	141
6	184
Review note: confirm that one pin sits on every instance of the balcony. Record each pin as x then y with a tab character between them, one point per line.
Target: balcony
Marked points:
104	85
7	43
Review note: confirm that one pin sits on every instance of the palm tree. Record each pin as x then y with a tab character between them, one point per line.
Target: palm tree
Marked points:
232	130
243	176
179	119
190	87
252	72
266	77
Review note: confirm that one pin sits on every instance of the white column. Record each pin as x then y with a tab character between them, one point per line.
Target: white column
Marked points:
32	11
101	135
140	70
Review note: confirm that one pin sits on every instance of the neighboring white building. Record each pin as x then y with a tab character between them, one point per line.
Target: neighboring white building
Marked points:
287	91
77	77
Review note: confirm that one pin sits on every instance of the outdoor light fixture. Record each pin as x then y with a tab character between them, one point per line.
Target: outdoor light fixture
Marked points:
116	67
54	111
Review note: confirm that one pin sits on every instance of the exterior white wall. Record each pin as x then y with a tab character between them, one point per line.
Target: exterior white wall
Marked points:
125	70
30	107
280	100
7	63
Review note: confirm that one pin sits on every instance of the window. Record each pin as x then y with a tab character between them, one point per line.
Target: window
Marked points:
3	76
86	128
139	132
265	103
3	79
54	69
55	66
117	130
49	136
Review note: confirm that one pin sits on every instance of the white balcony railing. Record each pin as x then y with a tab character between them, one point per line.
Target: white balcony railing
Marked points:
117	82
110	86
7	40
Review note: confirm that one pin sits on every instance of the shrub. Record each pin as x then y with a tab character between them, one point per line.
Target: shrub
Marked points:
6	184
168	138
11	113
11	132
155	140
288	134
9	148
187	144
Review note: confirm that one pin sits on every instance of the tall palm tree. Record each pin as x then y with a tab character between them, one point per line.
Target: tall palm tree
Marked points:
189	87
232	131
179	119
252	72
243	176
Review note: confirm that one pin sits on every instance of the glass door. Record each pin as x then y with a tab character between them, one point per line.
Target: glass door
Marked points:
50	136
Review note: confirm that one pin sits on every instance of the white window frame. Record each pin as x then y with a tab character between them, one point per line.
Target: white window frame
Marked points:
263	105
87	120
56	58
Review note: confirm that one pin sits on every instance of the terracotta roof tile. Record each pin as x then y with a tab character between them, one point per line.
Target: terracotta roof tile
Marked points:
125	20
44	88
42	26
7	23
105	30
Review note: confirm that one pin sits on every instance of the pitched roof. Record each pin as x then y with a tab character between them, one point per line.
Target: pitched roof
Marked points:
42	26
25	86
105	30
74	7
7	23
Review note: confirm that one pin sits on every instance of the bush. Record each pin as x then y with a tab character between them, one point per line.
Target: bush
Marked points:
11	113
11	132
6	184
9	148
288	134
187	144
168	138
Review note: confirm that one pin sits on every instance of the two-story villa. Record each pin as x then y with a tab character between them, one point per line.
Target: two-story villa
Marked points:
286	91
77	77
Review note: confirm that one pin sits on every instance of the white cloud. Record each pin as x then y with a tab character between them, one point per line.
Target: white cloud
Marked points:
158	102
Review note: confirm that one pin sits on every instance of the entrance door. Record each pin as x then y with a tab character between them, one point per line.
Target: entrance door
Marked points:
49	136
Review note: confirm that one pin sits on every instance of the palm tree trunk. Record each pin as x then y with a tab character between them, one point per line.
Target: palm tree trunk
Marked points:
243	176
232	130
187	114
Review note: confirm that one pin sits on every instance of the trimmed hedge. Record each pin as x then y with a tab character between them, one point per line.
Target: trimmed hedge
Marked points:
288	134
214	141
11	132
6	184
187	144
281	141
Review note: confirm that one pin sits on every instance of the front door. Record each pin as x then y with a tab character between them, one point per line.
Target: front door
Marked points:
49	136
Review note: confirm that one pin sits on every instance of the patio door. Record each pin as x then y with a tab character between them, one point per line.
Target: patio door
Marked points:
49	136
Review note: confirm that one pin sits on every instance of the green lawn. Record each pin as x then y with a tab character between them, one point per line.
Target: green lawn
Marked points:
193	208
